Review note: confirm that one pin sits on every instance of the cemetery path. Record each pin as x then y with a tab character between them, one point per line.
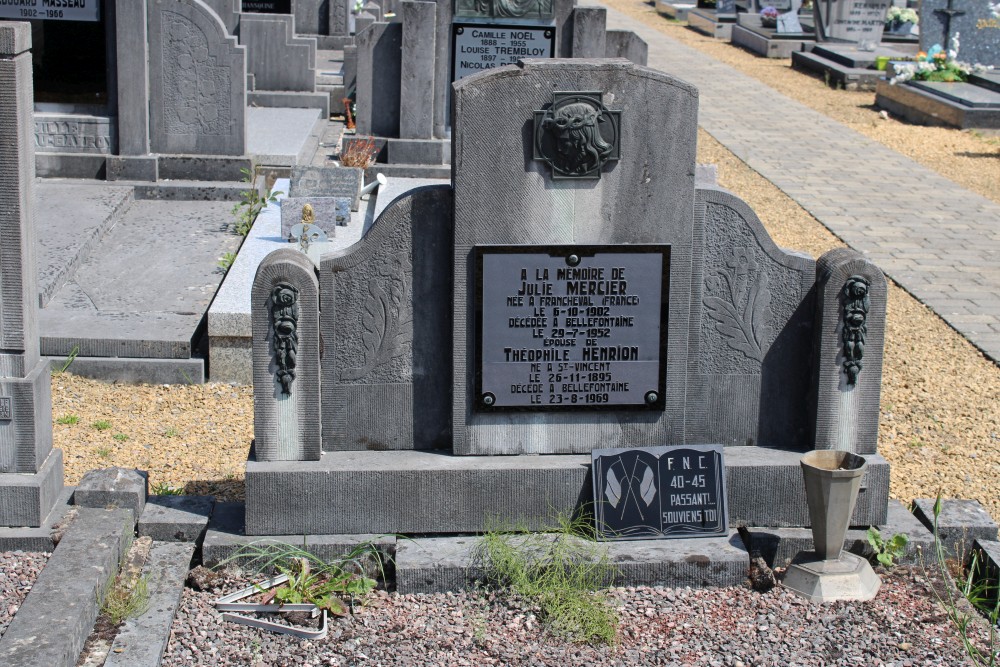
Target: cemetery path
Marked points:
936	239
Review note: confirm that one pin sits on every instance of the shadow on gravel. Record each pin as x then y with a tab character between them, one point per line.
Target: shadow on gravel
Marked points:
224	490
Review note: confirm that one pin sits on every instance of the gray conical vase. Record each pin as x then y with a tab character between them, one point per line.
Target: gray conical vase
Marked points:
832	479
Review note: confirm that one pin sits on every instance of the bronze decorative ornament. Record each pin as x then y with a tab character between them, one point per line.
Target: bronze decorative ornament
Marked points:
856	305
577	135
285	322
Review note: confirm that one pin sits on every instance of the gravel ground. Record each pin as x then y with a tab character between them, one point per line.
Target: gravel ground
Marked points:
733	627
18	572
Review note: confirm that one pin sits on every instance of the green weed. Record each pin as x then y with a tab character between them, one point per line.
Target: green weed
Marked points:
122	601
69	420
226	261
120	437
104	452
887	551
164	489
68	361
562	572
102	425
252	202
335	586
170	432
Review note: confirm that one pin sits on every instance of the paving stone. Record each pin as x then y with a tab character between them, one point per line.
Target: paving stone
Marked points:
960	523
176	518
141	641
57	616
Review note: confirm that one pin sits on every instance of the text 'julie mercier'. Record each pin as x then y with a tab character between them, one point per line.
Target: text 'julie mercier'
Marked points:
574	318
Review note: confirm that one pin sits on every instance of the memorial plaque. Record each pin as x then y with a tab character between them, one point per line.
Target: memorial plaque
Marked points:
482	46
51	10
857	20
571	327
268	6
6	408
660	492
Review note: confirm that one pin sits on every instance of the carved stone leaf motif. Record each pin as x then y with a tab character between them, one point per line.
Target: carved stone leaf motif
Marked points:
613	490
740	313
647	489
386	319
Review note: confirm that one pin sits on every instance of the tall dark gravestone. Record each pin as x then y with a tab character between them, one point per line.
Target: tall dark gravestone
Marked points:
973	21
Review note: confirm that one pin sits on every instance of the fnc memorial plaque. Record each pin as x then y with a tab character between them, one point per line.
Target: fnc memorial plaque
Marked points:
482	46
571	327
660	492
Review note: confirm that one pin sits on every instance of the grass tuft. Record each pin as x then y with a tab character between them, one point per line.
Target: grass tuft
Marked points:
121	601
562	572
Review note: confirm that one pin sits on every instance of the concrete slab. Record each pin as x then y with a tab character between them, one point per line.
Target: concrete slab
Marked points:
146	287
113	487
925	107
707	22
141	641
277	135
226	537
150	371
432	493
779	546
960	523
442	564
176	518
57	616
72	218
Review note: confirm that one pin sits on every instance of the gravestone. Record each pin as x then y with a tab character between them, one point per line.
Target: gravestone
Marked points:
327	182
973	20
857	21
330	212
31	471
197	81
573	290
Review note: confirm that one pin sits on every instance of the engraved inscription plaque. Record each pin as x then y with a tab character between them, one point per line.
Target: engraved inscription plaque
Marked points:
659	492
482	46
571	327
6	408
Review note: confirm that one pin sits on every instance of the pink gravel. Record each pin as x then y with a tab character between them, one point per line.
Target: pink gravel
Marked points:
18	572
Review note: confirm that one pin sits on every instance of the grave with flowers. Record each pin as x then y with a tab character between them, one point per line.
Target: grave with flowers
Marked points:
953	80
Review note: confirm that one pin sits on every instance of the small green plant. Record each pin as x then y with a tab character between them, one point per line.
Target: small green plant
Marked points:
981	592
252	201
69	420
887	551
120	437
164	489
104	452
64	366
335	586
102	424
170	432
562	572
226	261
122	601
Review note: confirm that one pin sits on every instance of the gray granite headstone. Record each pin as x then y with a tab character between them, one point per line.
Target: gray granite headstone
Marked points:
589	26
286	348
851	294
419	48
197	82
387	322
340	17
752	306
330	212
645	197
327	182
626	44
857	21
973	20
277	59
25	383
379	73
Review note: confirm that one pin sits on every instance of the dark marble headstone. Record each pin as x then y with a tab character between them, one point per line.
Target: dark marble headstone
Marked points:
973	20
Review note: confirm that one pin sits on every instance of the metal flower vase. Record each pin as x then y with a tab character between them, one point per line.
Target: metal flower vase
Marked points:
832	480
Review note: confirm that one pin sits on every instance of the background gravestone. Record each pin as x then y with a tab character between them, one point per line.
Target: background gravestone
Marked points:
197	81
31	472
973	19
854	20
327	182
285	314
